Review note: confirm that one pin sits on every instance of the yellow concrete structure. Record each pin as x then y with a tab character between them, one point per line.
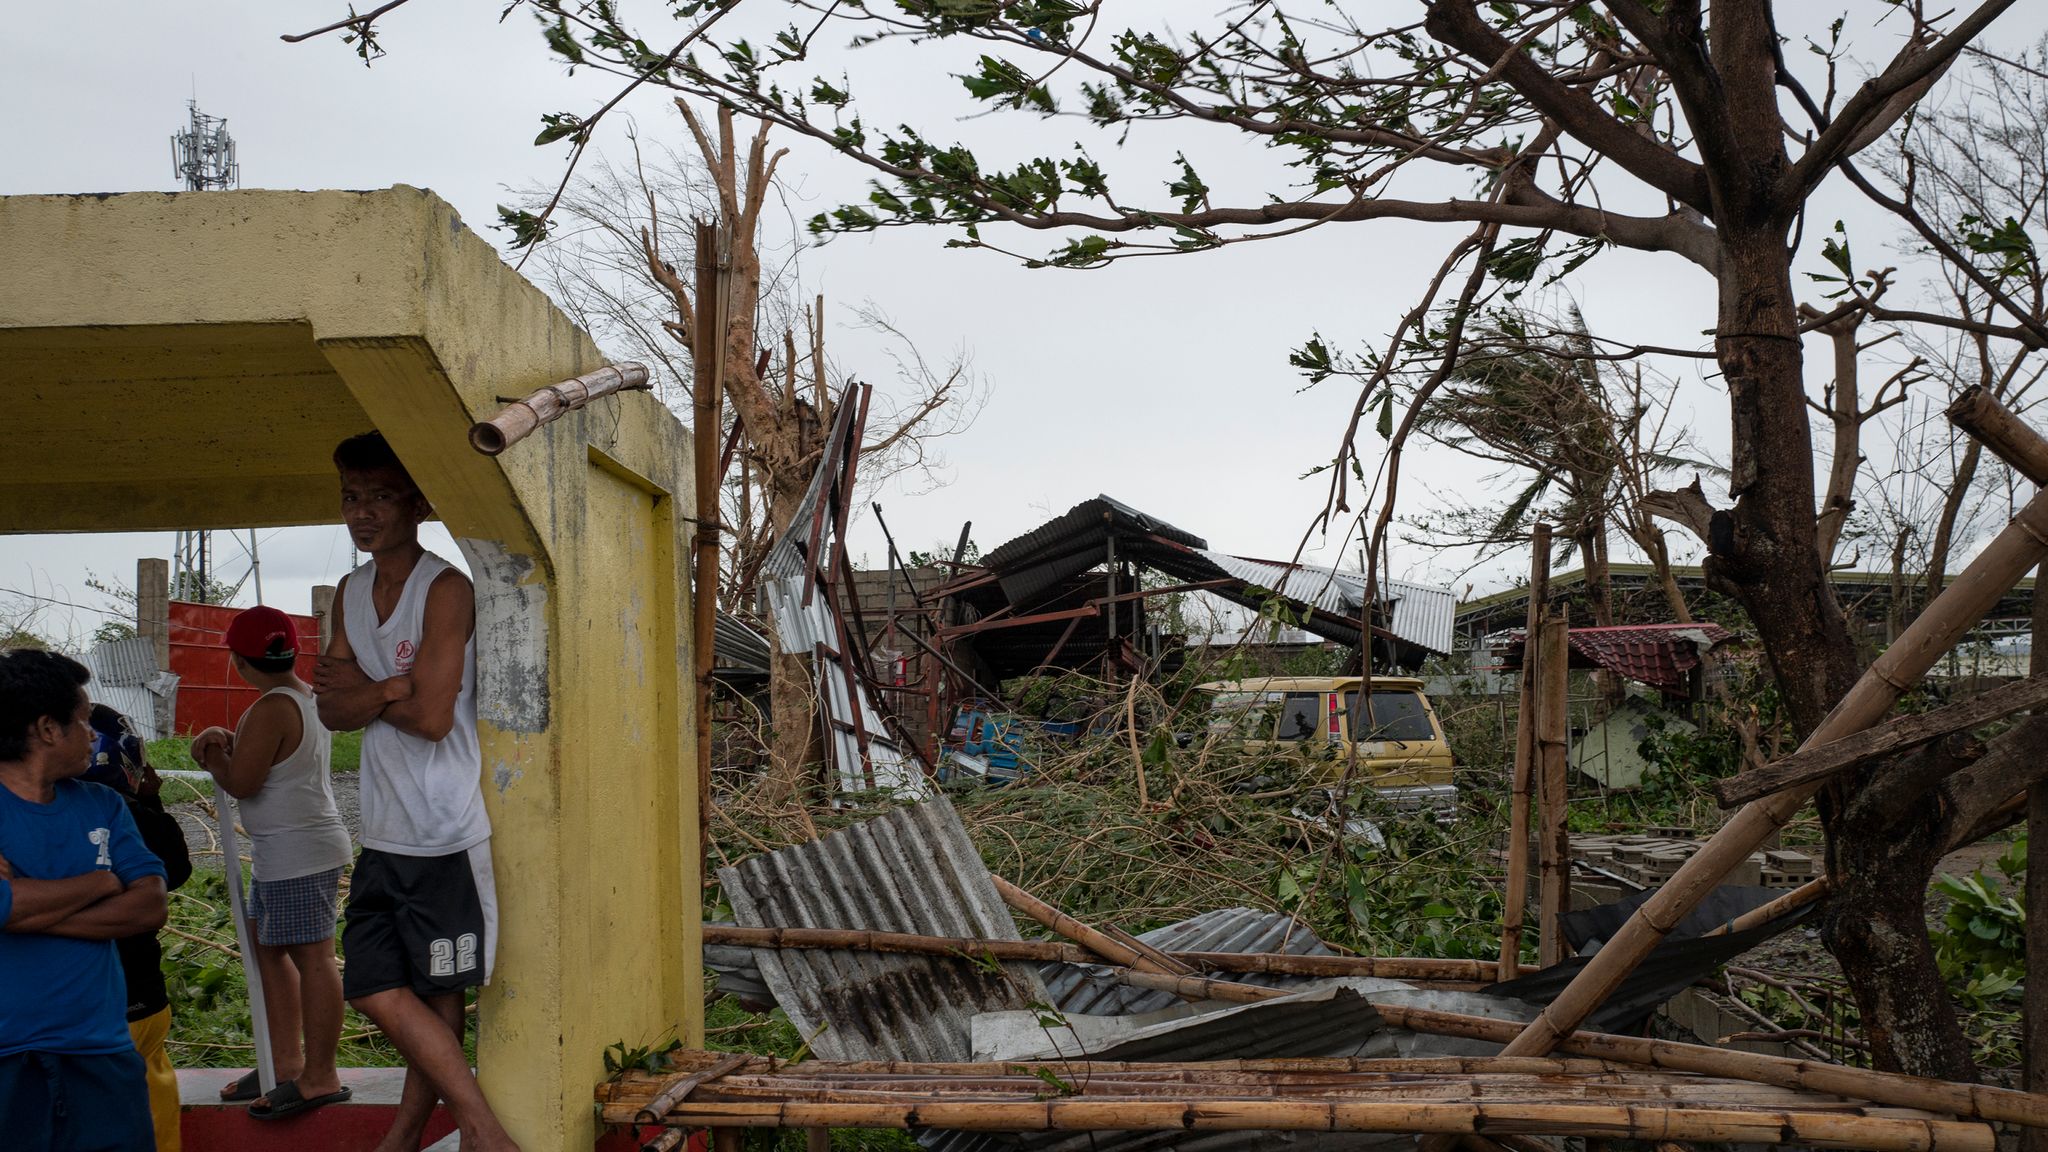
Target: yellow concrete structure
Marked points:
190	360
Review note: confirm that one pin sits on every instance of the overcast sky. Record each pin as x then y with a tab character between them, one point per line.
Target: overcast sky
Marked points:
1161	382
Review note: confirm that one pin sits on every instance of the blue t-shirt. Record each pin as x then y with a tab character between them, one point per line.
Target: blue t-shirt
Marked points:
58	994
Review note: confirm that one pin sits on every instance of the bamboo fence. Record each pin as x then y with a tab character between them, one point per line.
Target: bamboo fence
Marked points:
1452	1096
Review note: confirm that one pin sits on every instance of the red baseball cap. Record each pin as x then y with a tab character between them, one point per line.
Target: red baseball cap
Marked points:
262	633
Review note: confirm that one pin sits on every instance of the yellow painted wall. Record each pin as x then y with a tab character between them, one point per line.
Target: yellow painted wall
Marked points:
228	339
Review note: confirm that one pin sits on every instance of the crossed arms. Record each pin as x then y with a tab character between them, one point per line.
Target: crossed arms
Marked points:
92	906
420	703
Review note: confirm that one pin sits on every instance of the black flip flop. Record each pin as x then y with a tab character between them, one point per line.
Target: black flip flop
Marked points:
247	1088
284	1100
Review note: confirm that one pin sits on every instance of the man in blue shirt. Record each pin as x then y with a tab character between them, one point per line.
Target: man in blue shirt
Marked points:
74	878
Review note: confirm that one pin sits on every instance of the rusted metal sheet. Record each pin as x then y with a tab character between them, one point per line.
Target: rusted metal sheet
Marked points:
911	870
862	751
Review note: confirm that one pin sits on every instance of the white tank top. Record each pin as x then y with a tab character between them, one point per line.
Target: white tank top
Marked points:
294	829
420	797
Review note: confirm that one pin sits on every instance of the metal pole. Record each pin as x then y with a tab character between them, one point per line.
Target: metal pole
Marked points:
255	566
259	1015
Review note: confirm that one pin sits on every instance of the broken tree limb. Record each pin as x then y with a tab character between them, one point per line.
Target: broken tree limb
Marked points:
1127	952
2019	547
1977	1101
518	420
1815	763
1686	506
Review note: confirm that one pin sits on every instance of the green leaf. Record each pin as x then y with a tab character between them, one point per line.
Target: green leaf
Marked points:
555	125
1386	421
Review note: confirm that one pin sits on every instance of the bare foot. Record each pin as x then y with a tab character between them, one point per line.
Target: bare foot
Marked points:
312	1087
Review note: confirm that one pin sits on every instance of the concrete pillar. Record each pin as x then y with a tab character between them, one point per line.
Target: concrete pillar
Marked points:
323	611
153	607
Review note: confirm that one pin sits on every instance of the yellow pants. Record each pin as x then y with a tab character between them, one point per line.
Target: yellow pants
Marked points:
150	1033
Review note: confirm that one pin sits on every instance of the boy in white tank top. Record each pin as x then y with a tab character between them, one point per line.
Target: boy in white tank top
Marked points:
421	925
275	765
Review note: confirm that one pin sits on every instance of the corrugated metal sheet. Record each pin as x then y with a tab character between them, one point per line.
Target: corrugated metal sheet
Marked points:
1331	1020
125	678
911	870
1073	543
1089	990
1422	615
1660	655
740	651
813	630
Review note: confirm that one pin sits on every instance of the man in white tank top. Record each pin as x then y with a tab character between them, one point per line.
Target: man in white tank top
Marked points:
421	925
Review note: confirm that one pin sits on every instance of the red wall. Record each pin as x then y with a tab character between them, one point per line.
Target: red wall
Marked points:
209	692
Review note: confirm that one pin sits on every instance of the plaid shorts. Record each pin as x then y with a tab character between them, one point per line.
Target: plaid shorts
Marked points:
296	911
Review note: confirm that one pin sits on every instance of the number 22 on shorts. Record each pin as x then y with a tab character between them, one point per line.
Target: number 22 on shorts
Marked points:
446	957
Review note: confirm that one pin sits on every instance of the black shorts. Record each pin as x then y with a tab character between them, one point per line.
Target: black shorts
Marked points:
428	923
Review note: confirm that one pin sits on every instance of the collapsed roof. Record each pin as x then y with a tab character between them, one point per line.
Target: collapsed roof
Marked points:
1035	603
1660	655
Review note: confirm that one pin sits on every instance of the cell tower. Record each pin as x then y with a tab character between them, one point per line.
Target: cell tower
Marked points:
203	155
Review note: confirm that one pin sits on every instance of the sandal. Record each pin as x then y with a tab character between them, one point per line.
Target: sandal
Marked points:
284	1100
247	1088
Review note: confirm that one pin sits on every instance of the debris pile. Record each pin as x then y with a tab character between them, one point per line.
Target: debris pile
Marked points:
896	954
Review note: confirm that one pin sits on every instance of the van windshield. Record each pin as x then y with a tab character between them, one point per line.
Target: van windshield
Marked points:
1265	715
1396	715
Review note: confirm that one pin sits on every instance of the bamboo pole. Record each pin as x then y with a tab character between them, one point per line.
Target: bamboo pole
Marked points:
1544	1087
1635	1121
1978	1101
1770	910
518	420
1894	735
678	1090
1515	904
1617	1059
864	940
1127	952
1553	726
1197	987
2034	1005
1977	412
2019	547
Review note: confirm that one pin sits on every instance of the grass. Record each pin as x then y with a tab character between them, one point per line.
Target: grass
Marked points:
210	1024
175	753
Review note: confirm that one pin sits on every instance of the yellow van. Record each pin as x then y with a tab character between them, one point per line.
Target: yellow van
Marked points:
1402	753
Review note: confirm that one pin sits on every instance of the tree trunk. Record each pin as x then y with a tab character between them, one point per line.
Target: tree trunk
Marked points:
795	742
1592	541
1876	926
1766	553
